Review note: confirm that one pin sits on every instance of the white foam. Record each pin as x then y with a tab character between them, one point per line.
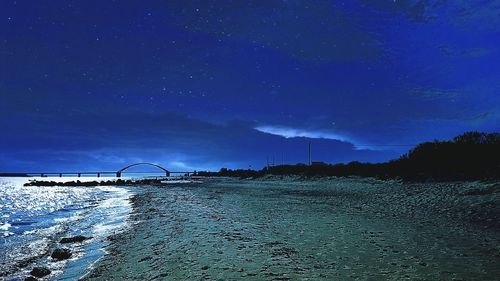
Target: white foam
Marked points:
5	226
114	210
176	181
39	206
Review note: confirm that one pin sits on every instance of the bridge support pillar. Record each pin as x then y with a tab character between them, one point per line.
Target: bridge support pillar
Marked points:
118	174
60	175
79	175
98	175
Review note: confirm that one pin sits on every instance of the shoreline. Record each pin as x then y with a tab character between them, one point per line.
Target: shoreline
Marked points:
63	241
457	209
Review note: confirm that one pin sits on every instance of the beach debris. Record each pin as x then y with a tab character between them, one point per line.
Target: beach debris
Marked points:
145	259
40	271
74	239
61	254
284	251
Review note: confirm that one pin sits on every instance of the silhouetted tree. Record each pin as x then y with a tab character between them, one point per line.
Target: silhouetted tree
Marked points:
470	156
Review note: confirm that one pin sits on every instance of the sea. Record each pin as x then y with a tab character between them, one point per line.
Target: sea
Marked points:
34	219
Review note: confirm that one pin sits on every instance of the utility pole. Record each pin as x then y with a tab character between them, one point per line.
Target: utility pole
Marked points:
310	162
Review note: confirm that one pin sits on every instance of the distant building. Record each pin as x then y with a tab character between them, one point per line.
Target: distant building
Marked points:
318	163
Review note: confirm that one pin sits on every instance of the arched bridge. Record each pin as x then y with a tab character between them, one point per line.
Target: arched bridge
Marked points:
119	173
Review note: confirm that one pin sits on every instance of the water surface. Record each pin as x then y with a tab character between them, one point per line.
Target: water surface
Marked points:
33	220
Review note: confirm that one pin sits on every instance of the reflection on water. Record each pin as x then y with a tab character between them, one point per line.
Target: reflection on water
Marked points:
33	219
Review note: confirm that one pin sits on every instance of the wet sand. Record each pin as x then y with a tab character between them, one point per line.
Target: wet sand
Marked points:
323	229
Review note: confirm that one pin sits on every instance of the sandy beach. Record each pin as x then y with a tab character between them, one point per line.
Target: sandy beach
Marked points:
249	140
316	229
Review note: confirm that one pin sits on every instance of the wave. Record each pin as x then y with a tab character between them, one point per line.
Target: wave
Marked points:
34	219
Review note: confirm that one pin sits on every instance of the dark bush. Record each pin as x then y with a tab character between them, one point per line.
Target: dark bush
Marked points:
470	156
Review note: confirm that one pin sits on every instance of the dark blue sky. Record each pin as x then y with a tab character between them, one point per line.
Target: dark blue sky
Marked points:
206	84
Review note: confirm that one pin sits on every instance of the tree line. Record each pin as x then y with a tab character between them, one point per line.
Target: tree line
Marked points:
470	156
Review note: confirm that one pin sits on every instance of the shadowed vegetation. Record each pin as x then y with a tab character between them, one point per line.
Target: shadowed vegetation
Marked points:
470	156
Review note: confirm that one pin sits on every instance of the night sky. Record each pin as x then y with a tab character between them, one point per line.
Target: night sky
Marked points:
96	85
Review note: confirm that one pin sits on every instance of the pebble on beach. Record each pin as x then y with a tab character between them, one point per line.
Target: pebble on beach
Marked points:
74	239
40	272
61	254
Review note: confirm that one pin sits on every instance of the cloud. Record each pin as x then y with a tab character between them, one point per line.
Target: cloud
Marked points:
288	132
434	93
178	142
294	133
460	12
314	32
375	67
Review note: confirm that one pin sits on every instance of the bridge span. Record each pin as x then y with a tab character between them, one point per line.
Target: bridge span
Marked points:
98	174
119	173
